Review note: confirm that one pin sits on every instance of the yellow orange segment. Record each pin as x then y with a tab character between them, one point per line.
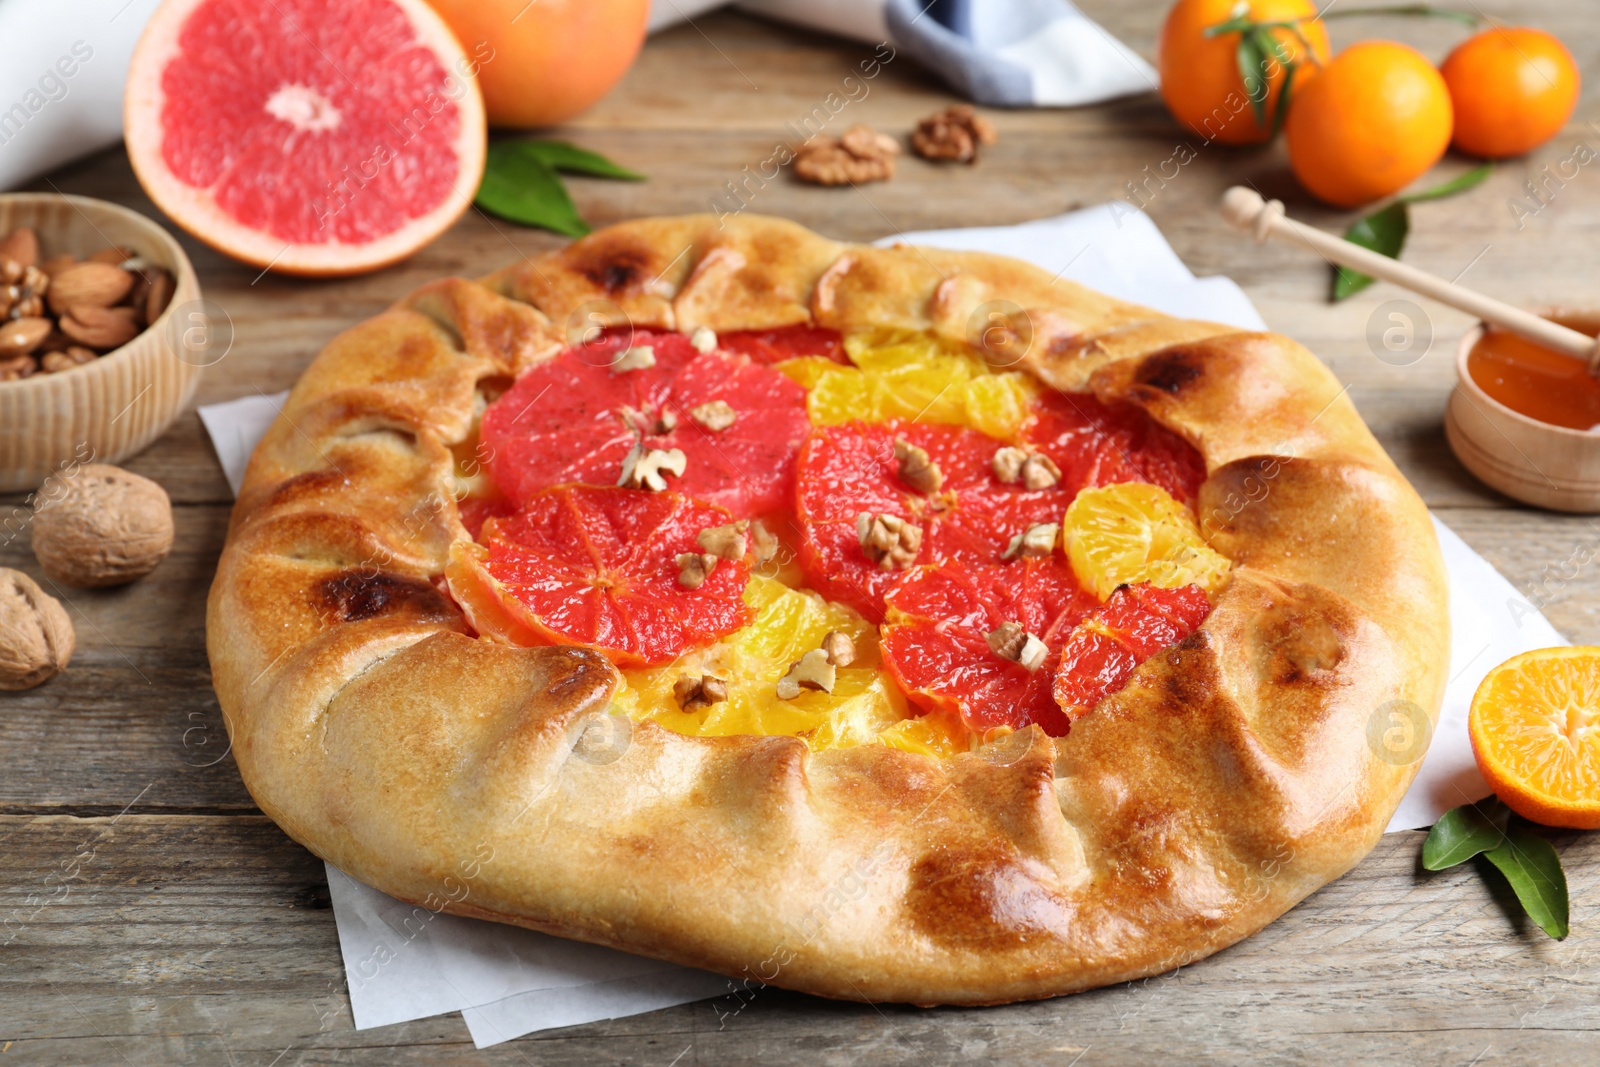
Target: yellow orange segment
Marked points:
1535	729
913	378
788	623
1131	533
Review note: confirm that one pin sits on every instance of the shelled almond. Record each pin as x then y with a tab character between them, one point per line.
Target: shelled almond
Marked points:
60	312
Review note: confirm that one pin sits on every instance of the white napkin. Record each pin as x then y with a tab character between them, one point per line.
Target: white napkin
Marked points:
1005	53
506	982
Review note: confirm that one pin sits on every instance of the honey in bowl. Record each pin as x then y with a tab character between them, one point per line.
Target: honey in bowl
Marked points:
1536	381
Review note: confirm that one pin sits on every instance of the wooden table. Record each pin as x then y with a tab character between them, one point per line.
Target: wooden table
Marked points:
151	915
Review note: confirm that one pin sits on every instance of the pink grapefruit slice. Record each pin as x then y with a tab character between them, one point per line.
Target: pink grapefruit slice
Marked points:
575	418
1100	655
313	137
583	565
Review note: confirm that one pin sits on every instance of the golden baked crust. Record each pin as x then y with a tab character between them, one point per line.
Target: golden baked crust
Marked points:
1231	777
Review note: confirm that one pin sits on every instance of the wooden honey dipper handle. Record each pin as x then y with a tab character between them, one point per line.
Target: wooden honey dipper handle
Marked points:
1245	209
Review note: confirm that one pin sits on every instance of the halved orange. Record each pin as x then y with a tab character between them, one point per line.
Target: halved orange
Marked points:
1535	728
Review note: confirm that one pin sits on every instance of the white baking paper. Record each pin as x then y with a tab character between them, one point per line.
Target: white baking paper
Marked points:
506	982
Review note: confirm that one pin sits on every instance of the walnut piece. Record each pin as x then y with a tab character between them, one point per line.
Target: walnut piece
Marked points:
99	525
862	154
1036	542
714	415
953	134
762	541
1010	641
648	470
693	692
1034	470
915	467
813	671
888	540
638	357
694	568
36	638
730	541
840	649
703	340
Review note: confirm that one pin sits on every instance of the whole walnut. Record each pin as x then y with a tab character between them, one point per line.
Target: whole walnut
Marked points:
36	638
99	525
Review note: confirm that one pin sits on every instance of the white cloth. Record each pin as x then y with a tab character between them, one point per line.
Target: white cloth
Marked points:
507	982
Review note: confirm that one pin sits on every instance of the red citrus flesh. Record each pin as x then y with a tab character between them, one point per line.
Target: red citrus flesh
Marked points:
935	643
847	469
1099	656
310	136
1098	444
786	342
583	565
572	419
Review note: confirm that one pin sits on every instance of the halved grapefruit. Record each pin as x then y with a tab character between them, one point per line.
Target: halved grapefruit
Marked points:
583	565
576	417
315	137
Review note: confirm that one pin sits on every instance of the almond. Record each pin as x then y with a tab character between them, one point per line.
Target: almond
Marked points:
113	256
99	327
88	284
21	336
21	245
56	362
159	295
56	264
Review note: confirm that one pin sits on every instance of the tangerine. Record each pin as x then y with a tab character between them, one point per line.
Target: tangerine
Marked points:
1369	123
1512	89
1200	78
1535	730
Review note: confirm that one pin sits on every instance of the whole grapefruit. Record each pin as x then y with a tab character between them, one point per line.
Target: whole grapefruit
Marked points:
551	59
315	137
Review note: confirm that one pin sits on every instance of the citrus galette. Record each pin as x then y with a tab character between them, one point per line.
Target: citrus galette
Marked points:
890	624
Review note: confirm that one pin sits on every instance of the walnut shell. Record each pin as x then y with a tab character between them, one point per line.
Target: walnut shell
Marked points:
36	638
99	525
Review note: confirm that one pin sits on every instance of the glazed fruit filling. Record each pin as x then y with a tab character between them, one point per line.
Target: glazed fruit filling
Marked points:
849	540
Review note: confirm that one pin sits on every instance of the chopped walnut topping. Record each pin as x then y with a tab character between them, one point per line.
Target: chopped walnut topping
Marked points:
703	339
693	693
762	541
1037	541
1040	472
648	470
714	415
666	422
1010	641
889	541
1034	470
726	542
636	358
953	134
813	671
861	155
694	568
840	649
916	469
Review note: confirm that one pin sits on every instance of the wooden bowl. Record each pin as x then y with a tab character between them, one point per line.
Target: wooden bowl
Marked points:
1547	466
108	409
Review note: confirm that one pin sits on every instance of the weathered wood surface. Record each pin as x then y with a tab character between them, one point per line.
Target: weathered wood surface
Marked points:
148	915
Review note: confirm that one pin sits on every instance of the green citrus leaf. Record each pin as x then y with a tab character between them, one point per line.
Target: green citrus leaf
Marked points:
1252	63
1533	867
525	189
1459	184
570	159
1462	833
1281	112
1466	18
1383	232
